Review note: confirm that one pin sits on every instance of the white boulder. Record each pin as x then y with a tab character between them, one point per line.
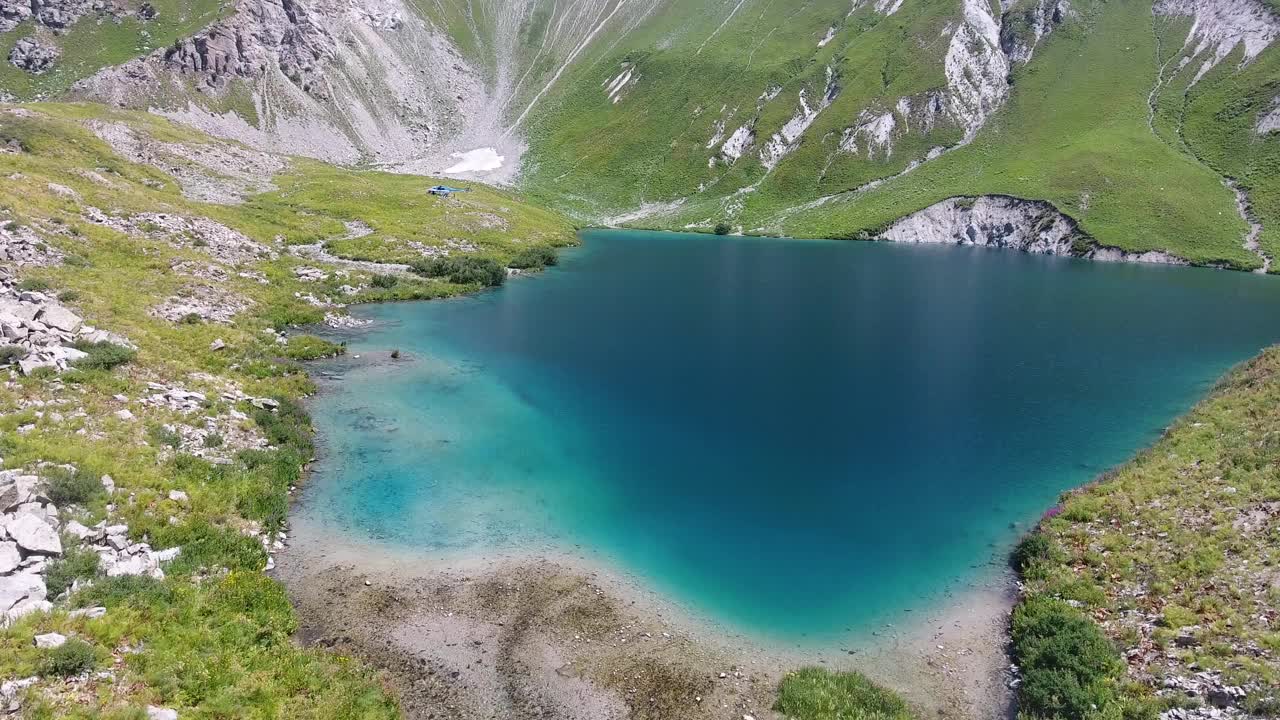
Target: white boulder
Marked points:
48	641
19	587
61	318
9	557
34	535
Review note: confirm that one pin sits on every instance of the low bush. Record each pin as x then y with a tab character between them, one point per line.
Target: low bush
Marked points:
10	354
77	563
533	258
384	281
1070	670
288	426
140	591
463	270
67	296
34	285
310	347
818	694
69	659
161	435
285	316
103	355
68	487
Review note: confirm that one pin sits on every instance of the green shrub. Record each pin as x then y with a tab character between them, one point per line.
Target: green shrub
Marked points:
286	315
533	258
463	270
162	435
75	564
818	694
723	228
289	426
310	347
10	354
67	296
213	440
66	487
103	355
33	285
139	591
1070	670
384	281
71	658
191	319
1034	547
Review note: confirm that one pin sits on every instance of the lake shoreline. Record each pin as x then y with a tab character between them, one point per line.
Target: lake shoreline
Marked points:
517	635
555	635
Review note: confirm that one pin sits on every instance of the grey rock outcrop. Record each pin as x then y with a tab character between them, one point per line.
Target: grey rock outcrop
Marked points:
1026	23
13	12
33	535
42	331
992	221
33	56
33	526
1006	222
1218	27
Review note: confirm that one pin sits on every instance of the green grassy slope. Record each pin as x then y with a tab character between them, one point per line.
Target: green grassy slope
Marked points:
697	72
213	638
1174	557
1074	133
95	42
1216	121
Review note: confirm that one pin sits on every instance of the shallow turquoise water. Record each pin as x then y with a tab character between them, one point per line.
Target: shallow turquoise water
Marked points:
797	438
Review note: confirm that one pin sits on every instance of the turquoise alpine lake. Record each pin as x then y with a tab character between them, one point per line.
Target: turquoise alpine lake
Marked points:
799	439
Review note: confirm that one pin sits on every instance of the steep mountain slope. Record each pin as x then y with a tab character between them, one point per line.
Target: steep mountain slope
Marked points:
923	89
409	85
825	117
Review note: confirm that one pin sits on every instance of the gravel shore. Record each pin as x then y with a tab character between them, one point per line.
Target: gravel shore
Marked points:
539	636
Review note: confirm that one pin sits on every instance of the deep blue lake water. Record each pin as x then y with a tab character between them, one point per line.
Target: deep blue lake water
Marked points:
796	438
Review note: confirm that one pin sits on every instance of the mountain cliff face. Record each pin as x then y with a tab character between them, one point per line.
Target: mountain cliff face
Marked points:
830	117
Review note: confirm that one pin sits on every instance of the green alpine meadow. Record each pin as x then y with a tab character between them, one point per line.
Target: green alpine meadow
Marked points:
640	359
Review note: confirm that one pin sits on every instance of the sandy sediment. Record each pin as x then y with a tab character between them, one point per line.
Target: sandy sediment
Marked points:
558	637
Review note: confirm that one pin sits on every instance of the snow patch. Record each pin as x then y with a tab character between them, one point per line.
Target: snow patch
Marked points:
1220	26
480	160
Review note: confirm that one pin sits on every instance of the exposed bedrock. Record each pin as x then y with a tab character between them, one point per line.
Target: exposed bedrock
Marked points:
1002	221
33	56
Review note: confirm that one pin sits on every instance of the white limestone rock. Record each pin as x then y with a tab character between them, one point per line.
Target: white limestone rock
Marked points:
48	641
10	558
18	587
34	535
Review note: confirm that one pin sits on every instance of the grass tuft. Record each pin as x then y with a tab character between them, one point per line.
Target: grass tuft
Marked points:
819	694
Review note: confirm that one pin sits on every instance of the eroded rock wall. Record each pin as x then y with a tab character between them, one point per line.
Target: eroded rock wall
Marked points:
1006	222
